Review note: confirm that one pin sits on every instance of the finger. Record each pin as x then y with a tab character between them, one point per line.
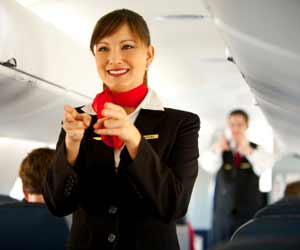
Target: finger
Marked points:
99	123
68	118
110	105
70	110
108	131
115	114
112	123
85	118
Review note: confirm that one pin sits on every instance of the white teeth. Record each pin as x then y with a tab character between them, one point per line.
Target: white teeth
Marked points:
117	72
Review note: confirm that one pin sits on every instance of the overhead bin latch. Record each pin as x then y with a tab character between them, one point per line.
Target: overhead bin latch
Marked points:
11	63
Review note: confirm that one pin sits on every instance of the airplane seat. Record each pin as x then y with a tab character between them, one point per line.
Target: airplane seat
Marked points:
286	243
285	206
275	226
6	199
31	226
185	234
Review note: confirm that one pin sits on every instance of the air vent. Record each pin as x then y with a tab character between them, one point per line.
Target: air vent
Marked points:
181	17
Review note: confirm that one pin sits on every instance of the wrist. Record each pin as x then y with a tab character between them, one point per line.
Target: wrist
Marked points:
72	150
134	141
133	145
71	143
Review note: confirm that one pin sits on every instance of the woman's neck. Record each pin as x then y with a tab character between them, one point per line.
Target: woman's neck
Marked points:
128	110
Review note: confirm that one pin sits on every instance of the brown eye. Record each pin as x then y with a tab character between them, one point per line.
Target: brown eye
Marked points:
127	46
102	49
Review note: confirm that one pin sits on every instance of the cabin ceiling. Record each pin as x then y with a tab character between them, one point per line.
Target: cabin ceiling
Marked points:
190	70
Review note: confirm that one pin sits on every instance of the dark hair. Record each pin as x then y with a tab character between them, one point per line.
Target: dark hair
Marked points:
34	168
241	113
292	189
110	22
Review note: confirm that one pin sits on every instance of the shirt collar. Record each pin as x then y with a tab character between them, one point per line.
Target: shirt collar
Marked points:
151	101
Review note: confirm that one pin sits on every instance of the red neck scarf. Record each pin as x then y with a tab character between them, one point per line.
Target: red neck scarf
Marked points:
131	99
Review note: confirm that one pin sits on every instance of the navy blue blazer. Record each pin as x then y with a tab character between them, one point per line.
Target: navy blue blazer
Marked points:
137	206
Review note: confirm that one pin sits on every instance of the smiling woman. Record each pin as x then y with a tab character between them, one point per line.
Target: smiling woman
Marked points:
120	42
125	165
122	59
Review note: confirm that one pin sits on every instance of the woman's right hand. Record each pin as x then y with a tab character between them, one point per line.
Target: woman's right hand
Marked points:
74	125
222	145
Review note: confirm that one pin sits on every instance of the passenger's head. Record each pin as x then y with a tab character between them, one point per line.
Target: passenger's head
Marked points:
292	189
238	121
122	48
33	171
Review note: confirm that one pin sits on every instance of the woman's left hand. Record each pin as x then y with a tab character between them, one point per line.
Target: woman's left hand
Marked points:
115	121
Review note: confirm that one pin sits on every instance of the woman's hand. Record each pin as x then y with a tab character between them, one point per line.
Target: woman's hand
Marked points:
74	125
222	145
116	122
243	147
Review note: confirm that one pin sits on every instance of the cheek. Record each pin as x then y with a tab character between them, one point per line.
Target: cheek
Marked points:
100	63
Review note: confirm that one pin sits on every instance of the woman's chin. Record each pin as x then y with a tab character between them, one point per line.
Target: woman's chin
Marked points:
120	87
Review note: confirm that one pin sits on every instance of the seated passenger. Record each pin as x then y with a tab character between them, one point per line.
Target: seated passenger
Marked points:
29	224
292	190
280	219
288	205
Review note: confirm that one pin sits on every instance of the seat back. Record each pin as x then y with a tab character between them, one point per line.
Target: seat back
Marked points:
286	206
275	226
265	243
183	236
31	226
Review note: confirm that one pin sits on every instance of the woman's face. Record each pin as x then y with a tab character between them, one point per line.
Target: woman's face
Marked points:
122	59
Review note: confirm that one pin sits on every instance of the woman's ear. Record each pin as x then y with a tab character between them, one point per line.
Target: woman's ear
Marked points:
150	56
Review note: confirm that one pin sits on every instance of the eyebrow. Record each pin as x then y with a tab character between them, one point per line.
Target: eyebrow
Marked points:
128	40
122	41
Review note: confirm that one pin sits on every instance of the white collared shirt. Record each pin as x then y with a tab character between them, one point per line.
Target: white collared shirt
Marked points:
261	160
151	101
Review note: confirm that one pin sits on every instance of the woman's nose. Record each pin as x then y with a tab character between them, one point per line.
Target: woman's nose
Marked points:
115	56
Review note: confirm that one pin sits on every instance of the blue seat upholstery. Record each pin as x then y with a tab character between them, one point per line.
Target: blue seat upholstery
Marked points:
285	206
266	243
6	199
275	226
31	226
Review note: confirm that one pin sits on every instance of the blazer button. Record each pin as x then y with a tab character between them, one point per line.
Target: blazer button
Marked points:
67	193
112	210
111	237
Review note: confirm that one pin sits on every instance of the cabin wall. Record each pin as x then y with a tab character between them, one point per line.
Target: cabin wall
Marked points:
43	51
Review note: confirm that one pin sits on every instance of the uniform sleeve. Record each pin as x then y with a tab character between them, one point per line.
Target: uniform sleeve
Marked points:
169	184
59	189
261	160
211	161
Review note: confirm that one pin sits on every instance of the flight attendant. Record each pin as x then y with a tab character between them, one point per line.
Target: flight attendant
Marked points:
125	165
238	163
